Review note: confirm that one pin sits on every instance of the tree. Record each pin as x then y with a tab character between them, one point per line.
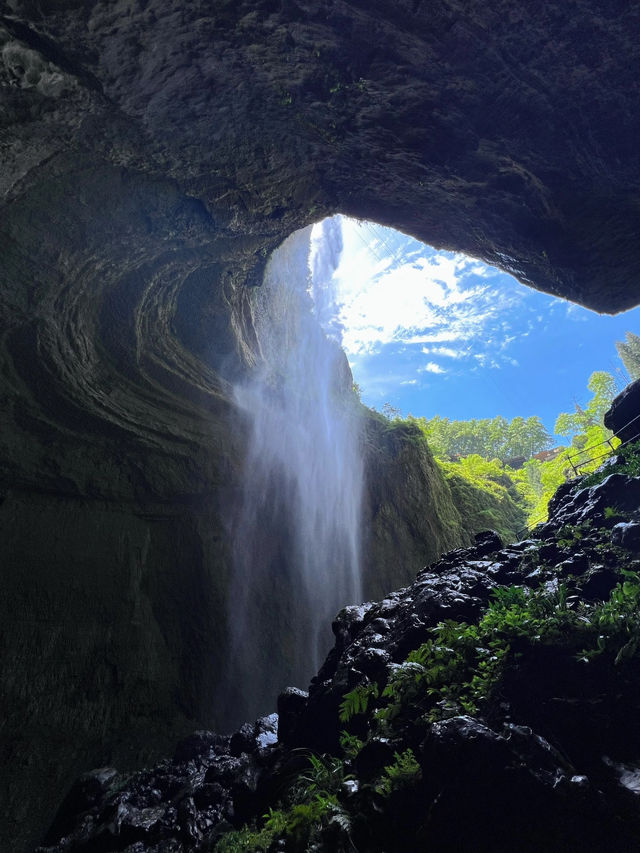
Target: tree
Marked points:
391	412
491	438
629	352
603	387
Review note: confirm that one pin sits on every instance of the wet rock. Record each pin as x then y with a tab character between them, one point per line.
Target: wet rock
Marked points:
598	583
487	542
494	787
252	737
576	564
372	759
372	661
199	745
627	535
211	794
579	505
623	417
243	740
227	769
291	705
89	791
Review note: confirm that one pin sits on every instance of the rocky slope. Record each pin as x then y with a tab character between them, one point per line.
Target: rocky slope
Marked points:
496	697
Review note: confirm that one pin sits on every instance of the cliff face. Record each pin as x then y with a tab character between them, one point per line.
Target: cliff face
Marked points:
153	154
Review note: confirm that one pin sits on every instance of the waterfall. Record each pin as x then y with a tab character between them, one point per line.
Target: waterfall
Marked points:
296	535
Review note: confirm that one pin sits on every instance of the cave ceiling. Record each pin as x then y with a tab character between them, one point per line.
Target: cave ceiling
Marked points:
154	152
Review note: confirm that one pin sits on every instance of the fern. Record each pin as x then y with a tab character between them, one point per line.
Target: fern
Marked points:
350	744
357	701
404	771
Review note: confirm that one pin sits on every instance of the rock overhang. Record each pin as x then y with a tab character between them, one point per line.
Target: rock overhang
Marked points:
501	131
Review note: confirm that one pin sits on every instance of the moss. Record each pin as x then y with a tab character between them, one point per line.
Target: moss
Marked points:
482	506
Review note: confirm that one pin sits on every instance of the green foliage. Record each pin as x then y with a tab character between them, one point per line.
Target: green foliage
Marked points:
325	777
603	387
492	438
629	352
356	701
461	667
404	771
628	462
486	494
350	744
250	840
615	624
613	512
312	805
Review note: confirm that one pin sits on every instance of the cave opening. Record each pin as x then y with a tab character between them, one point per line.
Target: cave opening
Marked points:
431	332
355	314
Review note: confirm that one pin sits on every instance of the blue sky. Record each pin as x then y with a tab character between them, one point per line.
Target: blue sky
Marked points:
440	333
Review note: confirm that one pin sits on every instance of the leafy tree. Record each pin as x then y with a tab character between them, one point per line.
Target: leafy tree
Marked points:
629	352
391	412
603	387
492	438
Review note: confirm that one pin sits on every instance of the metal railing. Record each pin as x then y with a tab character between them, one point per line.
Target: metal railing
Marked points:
575	468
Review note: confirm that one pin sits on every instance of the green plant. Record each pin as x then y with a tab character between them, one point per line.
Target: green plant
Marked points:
311	807
615	624
613	512
246	840
571	534
627	462
404	771
357	701
350	744
459	669
324	776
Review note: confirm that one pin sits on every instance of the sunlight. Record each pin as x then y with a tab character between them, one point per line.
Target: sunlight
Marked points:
435	332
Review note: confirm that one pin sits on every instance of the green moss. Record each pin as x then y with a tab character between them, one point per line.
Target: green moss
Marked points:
486	498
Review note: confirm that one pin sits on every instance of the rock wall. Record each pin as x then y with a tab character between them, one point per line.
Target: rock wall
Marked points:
153	154
410	516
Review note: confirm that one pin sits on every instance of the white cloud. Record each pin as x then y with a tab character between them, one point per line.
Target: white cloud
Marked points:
432	367
394	294
448	352
576	312
435	337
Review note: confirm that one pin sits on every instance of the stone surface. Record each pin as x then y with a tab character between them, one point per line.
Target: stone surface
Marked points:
550	761
153	154
623	418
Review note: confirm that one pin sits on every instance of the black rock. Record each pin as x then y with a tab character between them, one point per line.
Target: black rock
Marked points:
199	745
291	705
627	535
623	417
89	791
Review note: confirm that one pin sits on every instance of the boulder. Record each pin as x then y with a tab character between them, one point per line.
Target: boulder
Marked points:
623	417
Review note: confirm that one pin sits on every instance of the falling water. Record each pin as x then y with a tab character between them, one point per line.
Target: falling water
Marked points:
296	538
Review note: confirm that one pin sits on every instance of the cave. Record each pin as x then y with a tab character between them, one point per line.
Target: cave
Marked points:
154	154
